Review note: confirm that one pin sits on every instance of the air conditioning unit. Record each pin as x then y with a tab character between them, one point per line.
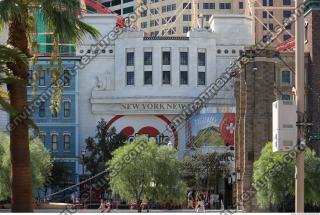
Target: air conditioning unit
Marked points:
284	129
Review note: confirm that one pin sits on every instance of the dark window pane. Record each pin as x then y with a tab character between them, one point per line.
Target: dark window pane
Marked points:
183	77
166	77
147	58
130	58
183	58
148	77
166	58
201	78
130	78
66	78
201	59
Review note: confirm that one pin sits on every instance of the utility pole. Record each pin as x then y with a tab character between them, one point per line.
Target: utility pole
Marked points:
300	100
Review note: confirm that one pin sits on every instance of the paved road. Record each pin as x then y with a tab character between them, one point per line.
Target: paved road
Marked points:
113	211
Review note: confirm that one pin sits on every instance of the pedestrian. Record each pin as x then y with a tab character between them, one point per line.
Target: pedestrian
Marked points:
102	206
221	201
190	200
108	206
200	204
212	200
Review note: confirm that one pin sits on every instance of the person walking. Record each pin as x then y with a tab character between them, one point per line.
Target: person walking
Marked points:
200	204
190	200
102	206
221	201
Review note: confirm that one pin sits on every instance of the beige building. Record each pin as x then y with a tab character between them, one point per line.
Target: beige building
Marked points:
174	17
270	13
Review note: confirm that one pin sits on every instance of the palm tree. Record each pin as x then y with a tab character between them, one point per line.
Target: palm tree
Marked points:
61	18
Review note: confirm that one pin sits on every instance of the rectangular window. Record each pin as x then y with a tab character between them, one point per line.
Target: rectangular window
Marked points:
42	78
264	3
201	78
54	113
221	5
42	109
186	18
66	108
228	5
270	14
270	2
66	142
264	14
166	77
187	6
286	77
201	59
148	77
183	58
30	78
166	58
147	58
270	26
186	29
130	58
286	37
286	97
286	13
54	142
286	2
66	78
130	78
183	77
241	5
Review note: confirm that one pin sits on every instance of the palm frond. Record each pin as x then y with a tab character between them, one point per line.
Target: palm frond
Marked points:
11	9
11	55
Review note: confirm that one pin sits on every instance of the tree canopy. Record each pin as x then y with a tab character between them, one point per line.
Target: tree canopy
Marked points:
143	170
40	164
99	148
203	171
274	181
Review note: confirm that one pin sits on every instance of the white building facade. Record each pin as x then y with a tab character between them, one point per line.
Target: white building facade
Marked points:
139	84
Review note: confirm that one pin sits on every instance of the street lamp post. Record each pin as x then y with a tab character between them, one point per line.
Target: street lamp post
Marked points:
83	153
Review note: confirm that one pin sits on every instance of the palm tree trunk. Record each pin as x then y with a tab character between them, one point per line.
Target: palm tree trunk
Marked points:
21	182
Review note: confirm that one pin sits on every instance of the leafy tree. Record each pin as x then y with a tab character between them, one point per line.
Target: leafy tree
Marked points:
143	170
203	171
40	162
99	148
274	181
60	17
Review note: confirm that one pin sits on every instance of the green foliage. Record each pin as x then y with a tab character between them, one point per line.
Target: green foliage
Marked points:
208	137
143	170
40	162
99	149
203	171
273	177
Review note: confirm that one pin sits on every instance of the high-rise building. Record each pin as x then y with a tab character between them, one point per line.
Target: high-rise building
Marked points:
121	7
175	17
269	14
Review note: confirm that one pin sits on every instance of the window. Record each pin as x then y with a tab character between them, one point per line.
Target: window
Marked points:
286	2
228	5
147	58
130	58
144	24
241	5
166	77
264	2
42	78
208	5
42	109
201	59
186	29
54	113
187	6
66	142
66	108
270	14
54	142
130	78
286	13
286	97
270	2
183	58
286	37
66	78
264	27
183	77
221	6
186	18
42	137
270	26
286	77
147	77
166	58
201	78
30	78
